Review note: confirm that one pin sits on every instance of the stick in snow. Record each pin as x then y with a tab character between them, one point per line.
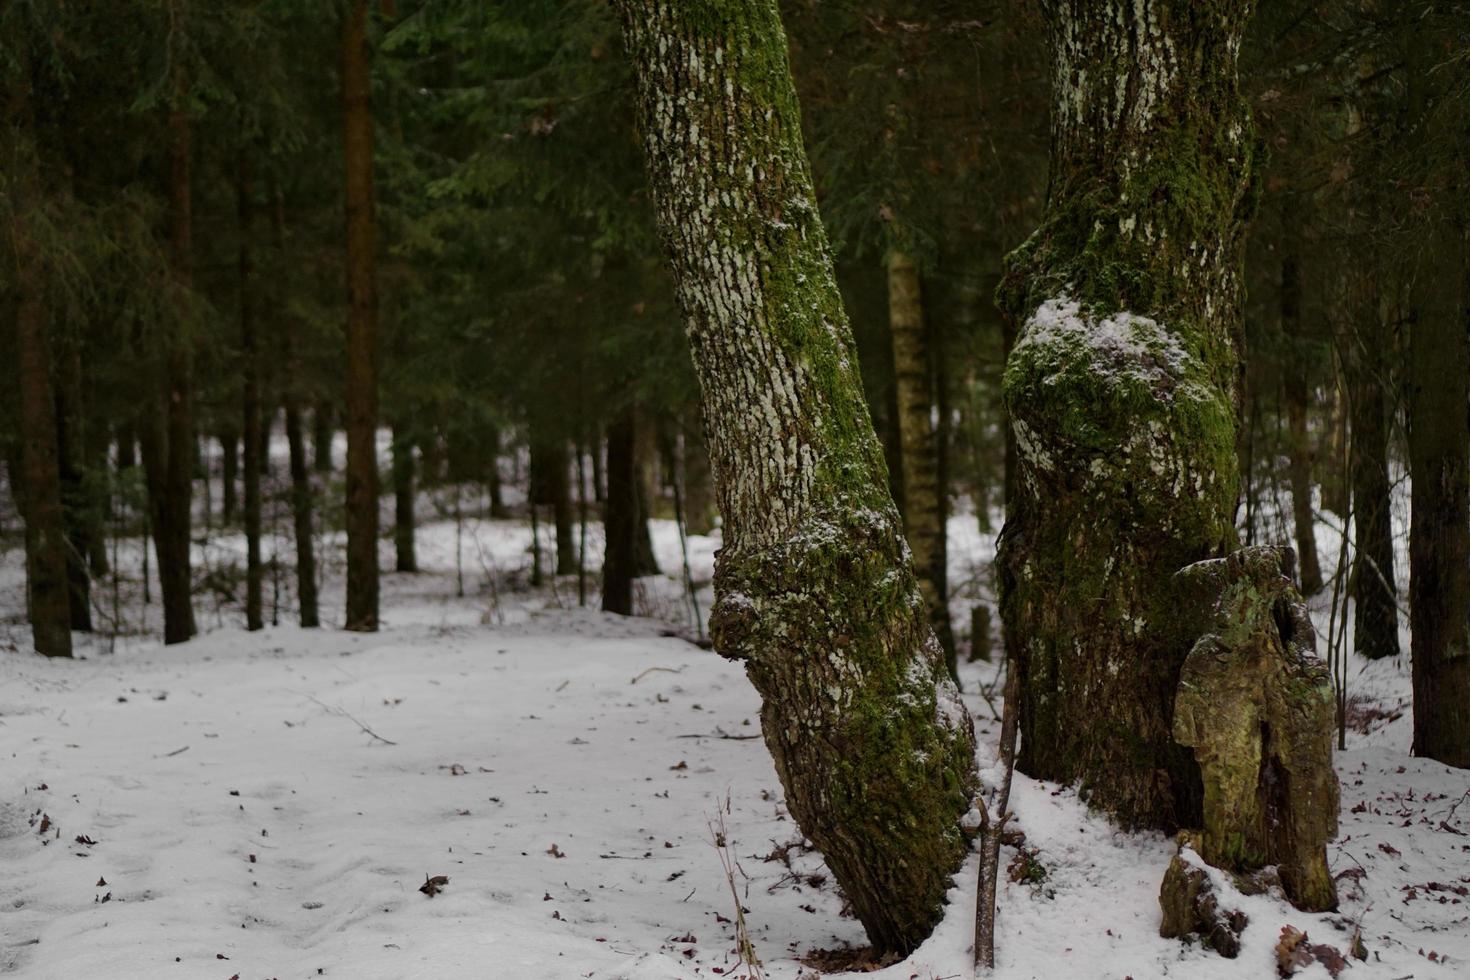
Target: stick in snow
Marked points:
343	713
991	831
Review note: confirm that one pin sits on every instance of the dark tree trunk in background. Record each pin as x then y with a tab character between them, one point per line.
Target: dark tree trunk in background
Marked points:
39	483
645	562
814	591
323	428
76	491
923	508
405	556
1375	596
699	499
362	325
620	516
167	436
561	507
229	445
301	507
498	509
1297	392
1123	391
251	428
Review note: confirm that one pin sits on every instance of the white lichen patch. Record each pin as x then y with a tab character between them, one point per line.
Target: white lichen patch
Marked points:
1121	347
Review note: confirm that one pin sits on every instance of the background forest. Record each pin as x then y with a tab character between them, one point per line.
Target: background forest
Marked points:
199	195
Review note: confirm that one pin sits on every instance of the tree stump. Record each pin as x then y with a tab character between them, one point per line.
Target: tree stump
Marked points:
1255	704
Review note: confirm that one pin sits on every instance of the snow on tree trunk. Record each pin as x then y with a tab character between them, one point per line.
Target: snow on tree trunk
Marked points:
815	590
1123	390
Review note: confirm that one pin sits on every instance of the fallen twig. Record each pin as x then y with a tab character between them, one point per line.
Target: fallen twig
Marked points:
343	713
992	830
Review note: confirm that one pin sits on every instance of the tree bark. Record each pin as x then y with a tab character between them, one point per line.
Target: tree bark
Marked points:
561	508
620	516
250	405
229	444
1375	595
923	508
167	437
814	589
362	325
40	473
404	553
1123	390
323	430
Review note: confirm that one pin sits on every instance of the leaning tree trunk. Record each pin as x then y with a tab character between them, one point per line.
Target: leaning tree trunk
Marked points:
814	589
362	326
923	505
39	473
1123	390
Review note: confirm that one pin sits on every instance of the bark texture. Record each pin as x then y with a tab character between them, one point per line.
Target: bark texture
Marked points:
362	325
923	504
814	588
1123	389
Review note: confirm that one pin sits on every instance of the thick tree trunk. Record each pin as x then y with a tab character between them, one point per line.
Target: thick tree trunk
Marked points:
1375	595
1123	390
362	325
250	404
923	508
39	484
167	436
1298	399
620	516
404	553
814	590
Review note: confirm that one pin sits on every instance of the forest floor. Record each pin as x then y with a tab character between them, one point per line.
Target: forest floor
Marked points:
269	805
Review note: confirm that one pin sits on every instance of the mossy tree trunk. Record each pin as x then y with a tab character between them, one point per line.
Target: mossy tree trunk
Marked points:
362	324
1123	389
814	588
923	503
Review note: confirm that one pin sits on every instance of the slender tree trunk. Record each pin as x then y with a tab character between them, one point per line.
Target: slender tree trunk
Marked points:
39	485
814	590
301	507
405	557
599	478
229	444
645	562
1297	391
362	325
76	491
498	509
251	428
1123	391
127	444
323	429
1375	596
561	508
923	510
620	516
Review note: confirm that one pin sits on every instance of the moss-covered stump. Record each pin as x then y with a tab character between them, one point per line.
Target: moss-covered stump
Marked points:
1255	704
1191	906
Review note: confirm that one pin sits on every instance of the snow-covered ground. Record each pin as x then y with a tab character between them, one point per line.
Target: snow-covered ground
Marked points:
268	805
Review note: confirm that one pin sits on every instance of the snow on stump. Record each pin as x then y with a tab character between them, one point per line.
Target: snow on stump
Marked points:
1255	704
1191	905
